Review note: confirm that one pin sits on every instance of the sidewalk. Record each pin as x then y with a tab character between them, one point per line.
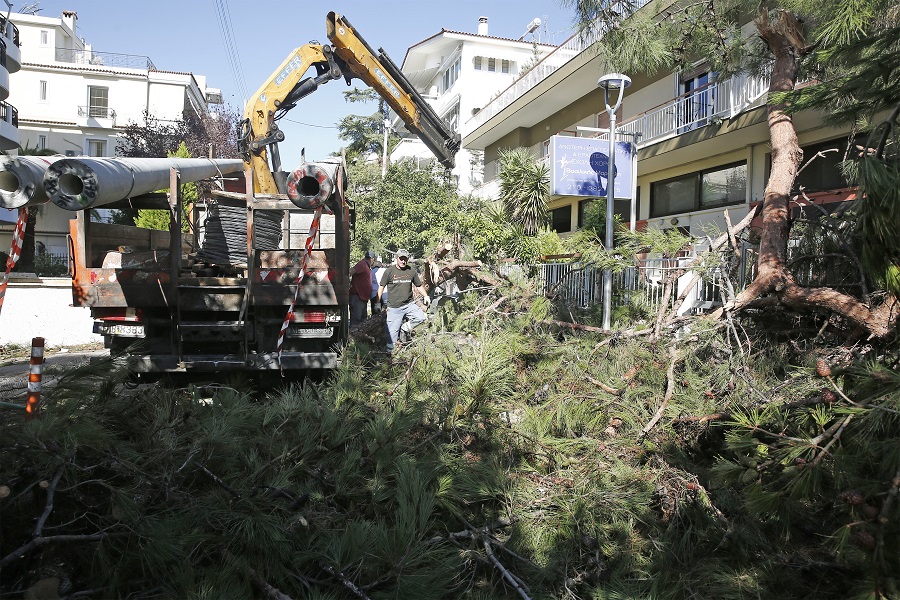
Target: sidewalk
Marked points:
43	308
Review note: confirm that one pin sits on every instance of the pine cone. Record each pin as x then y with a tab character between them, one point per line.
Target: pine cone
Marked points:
863	539
823	369
870	512
829	397
852	497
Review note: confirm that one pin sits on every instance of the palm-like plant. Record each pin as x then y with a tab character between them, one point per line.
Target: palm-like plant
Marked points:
524	189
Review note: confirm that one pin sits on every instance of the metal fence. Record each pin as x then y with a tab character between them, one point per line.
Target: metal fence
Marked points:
105	59
641	285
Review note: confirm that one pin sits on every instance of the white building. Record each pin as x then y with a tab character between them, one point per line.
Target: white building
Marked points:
459	73
75	100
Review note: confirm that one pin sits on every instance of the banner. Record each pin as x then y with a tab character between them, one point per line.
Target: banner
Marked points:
579	167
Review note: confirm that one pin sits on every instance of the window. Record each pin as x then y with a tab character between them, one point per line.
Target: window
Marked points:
476	62
492	64
98	102
561	219
45	37
505	66
451	75
698	99
42	91
96	148
824	172
42	142
695	191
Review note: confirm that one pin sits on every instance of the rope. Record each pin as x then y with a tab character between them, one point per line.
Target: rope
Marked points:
310	240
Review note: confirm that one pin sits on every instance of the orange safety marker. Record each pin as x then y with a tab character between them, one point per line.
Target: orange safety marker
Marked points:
34	376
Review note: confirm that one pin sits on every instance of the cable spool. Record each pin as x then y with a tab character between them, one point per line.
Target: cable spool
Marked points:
311	184
225	232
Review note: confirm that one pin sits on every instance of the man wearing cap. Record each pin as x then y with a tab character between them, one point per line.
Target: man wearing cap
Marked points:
361	288
399	279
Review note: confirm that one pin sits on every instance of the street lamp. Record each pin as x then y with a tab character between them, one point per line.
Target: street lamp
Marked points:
611	82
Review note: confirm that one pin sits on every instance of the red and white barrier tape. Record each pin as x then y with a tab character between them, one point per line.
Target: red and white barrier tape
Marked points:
15	251
310	240
34	376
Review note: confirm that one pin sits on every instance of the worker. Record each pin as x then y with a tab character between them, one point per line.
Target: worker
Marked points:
377	269
399	279
361	288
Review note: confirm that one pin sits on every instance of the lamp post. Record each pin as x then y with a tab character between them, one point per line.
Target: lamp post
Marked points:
611	82
384	154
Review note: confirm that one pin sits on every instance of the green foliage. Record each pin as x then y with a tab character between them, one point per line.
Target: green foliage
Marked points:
410	208
524	189
365	134
159	219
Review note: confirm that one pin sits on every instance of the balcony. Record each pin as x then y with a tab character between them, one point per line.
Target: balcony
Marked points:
705	105
105	59
96	116
9	126
9	33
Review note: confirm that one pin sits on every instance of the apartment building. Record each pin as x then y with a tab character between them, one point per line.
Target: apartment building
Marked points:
75	100
702	140
459	73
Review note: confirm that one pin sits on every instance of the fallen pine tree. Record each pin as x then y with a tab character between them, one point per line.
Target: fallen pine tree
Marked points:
499	455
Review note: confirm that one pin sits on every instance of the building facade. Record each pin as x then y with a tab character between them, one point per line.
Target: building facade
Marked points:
75	100
459	73
702	140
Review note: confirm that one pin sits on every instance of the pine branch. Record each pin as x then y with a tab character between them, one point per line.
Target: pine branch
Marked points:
670	391
53	539
513	581
346	582
48	507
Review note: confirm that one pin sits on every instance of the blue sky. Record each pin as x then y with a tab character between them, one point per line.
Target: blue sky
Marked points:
186	35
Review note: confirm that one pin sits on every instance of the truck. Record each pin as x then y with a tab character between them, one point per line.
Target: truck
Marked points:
261	281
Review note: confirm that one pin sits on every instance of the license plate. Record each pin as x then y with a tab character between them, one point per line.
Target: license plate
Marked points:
297	332
121	330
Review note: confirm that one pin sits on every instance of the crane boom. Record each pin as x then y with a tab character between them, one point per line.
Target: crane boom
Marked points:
350	57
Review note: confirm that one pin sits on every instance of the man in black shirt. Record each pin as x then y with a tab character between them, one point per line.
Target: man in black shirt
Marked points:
400	278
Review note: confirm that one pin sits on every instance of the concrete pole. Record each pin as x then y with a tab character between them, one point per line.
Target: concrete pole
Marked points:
21	180
610	213
80	183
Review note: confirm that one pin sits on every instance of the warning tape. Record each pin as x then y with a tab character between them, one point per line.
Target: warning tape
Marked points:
310	240
15	251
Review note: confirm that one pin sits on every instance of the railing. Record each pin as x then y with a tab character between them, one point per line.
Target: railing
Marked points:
5	26
9	114
97	112
106	59
640	286
556	58
712	102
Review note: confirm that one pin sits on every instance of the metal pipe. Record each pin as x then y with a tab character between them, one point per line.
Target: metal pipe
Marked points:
21	180
80	183
312	184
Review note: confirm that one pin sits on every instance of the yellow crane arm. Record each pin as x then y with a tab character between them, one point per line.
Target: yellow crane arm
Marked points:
379	72
350	57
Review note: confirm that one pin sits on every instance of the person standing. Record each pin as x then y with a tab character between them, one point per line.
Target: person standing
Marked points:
377	269
361	288
399	279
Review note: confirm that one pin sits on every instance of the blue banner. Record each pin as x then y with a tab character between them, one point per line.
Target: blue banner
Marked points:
580	166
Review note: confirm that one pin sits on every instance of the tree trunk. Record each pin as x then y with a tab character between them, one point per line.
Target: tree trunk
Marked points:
784	37
26	258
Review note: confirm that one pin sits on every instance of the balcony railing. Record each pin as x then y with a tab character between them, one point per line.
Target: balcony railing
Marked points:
96	112
705	105
559	56
9	29
9	114
106	59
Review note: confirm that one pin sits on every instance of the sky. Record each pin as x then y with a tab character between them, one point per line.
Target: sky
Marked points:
187	35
